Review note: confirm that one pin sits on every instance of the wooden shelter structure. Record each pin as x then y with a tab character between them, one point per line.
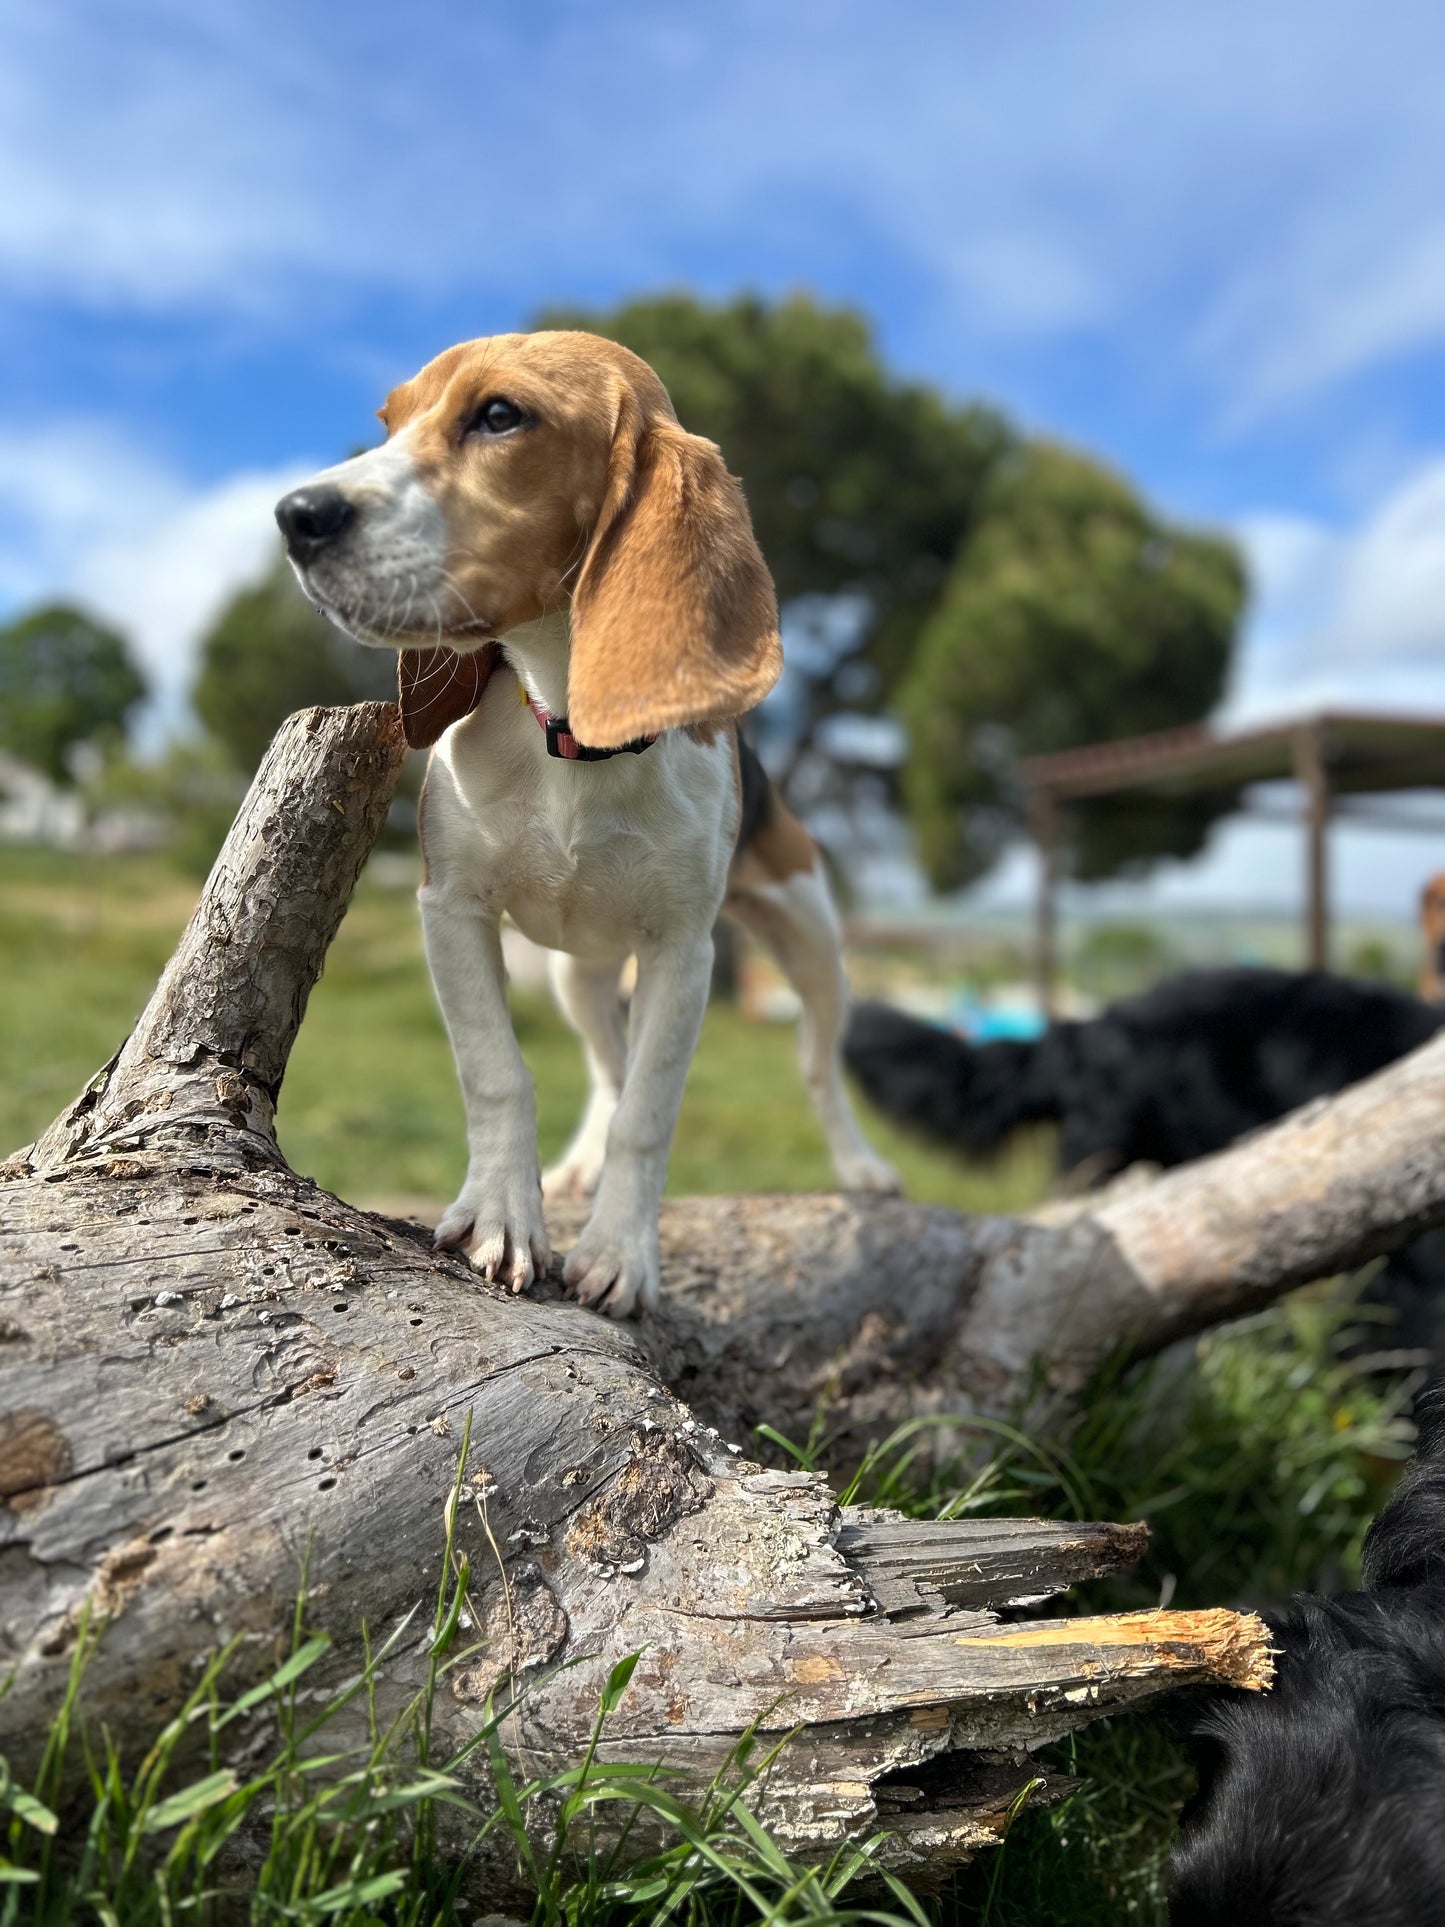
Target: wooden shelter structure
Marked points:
1333	756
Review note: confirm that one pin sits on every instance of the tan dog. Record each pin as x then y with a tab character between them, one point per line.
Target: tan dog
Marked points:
581	612
1432	930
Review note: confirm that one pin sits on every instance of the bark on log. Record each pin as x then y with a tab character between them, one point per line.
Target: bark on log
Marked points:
204	1360
870	1312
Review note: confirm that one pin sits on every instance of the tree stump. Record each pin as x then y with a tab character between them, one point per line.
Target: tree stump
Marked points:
208	1364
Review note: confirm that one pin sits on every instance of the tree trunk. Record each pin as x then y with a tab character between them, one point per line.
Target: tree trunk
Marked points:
205	1361
874	1311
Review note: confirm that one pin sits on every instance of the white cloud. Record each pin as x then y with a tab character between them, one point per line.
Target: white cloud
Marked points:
1292	566
1316	316
1354	615
1392	577
86	515
141	167
1254	184
63	490
168	584
1345	618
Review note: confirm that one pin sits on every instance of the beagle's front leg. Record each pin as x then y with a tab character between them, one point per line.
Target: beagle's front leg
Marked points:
614	1265
497	1218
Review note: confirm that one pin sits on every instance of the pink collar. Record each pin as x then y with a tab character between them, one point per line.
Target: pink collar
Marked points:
562	743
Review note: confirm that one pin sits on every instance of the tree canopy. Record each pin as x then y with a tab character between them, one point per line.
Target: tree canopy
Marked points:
268	653
1015	597
1071	615
65	679
857	481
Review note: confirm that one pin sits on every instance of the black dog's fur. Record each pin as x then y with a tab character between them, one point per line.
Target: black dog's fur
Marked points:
1322	1803
1181	1071
1172	1075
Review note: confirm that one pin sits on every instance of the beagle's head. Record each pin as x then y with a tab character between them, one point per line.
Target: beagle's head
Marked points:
521	475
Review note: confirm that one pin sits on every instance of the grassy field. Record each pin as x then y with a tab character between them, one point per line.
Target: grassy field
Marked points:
370	1106
1257	1458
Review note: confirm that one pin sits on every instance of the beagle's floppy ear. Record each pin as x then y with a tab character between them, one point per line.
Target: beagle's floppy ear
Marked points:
674	618
437	687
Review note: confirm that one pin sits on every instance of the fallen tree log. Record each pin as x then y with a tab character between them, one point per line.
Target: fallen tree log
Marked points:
862	1313
207	1362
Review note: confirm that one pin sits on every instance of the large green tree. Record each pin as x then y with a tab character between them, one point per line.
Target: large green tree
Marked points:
65	679
1003	596
1071	615
268	653
859	483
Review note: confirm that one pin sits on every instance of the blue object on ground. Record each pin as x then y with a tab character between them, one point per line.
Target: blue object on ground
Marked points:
985	1023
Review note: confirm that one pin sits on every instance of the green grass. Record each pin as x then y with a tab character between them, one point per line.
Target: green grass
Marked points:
385	1832
1257	1458
370	1106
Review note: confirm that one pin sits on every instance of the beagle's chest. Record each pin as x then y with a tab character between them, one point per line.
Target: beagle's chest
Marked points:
591	858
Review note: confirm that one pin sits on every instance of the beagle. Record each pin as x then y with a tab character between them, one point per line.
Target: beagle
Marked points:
581	613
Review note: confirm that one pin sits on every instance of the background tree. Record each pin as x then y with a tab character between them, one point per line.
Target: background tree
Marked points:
269	653
191	788
65	679
1002	596
861	486
1072	615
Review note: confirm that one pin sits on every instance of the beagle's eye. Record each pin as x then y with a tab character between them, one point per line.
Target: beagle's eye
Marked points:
497	416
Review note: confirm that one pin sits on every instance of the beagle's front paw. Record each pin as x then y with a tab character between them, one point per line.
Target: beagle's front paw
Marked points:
498	1224
614	1267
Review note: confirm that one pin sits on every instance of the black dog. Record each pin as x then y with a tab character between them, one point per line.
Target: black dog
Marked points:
1322	1803
1172	1075
1163	1078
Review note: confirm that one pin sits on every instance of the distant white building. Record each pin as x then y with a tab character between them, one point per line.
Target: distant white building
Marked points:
33	809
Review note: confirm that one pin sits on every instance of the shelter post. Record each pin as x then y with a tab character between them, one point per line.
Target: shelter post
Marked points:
1335	756
1044	825
1312	773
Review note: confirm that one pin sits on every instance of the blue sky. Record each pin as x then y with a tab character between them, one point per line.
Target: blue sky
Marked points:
1207	241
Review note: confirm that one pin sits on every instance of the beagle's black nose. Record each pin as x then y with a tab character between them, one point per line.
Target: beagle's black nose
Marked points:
309	518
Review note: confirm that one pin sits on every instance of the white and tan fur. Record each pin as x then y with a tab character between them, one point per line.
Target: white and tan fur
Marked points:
601	561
